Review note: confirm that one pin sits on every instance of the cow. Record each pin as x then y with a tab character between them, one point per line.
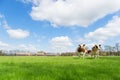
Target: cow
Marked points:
88	52
81	50
95	51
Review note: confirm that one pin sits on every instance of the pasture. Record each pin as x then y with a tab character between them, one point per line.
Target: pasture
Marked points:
58	68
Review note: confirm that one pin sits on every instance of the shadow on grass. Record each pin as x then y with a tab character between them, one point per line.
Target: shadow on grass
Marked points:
76	57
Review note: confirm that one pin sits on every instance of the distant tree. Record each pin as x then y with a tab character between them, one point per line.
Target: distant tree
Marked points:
1	53
112	50
41	53
117	46
68	54
109	49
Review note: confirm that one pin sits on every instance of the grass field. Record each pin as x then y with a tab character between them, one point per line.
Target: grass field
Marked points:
58	68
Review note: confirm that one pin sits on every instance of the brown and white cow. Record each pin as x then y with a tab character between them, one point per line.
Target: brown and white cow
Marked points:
81	50
95	51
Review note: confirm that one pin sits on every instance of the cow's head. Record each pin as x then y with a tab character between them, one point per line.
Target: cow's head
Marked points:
82	45
81	48
98	47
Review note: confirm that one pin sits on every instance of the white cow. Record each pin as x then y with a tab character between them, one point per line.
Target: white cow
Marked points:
95	51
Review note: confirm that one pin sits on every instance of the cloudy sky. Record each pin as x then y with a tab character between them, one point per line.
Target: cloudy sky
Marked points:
58	25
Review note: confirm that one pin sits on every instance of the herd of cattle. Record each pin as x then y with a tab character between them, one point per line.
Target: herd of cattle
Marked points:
94	52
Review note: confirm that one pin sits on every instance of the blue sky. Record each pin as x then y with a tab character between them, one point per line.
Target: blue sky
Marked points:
58	26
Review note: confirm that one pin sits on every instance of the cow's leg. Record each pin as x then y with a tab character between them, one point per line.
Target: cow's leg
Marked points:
79	54
83	55
91	54
97	55
94	56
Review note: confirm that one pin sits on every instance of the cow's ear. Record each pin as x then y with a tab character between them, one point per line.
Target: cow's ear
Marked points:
83	44
96	46
99	44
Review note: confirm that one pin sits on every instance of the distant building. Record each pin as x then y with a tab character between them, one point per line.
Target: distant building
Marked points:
40	53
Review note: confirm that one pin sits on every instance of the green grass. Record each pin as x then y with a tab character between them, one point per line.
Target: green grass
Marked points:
58	68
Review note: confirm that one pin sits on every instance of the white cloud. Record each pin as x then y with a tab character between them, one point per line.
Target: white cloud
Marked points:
102	35
28	47
6	46
14	33
5	24
18	33
61	43
108	31
72	12
1	16
3	45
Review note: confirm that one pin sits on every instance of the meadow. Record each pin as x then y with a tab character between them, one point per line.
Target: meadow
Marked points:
59	68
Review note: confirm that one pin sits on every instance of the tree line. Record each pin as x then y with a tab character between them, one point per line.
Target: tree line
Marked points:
106	51
111	50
